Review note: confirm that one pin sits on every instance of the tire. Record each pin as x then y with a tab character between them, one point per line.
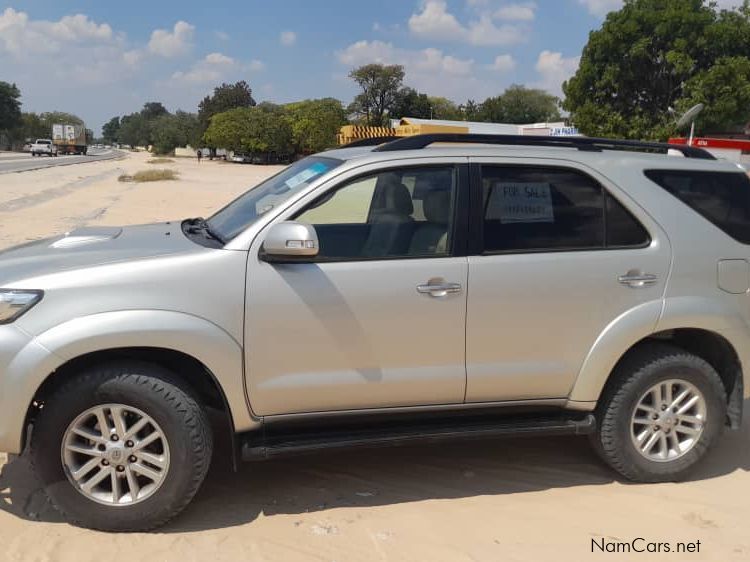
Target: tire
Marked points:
618	432
142	387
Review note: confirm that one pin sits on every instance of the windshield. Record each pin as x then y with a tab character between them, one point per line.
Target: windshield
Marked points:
248	207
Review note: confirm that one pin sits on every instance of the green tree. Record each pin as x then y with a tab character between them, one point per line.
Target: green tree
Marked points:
135	130
263	129
169	131
224	98
519	104
315	124
410	103
653	54
153	109
111	130
10	106
471	111
724	89
380	85
443	108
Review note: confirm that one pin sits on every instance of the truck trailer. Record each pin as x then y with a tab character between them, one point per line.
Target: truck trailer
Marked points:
69	138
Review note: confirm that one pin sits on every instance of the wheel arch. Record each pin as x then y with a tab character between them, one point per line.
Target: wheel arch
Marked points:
703	327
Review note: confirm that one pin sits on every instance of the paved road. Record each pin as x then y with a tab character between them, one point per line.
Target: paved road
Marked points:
21	162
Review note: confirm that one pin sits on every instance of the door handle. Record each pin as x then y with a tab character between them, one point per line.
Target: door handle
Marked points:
637	279
438	288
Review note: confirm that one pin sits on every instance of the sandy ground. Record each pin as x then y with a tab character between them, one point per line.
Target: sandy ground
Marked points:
534	499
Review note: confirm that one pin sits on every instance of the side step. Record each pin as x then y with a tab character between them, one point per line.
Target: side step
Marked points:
264	445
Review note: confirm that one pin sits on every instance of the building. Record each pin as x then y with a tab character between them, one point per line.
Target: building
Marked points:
408	126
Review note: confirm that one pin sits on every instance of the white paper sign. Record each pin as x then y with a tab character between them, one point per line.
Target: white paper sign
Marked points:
517	202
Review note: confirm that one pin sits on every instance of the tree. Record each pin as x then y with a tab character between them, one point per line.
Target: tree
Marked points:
10	106
724	89
224	98
653	54
443	108
262	129
410	103
170	131
380	85
111	130
314	124
519	104
471	111
135	130
153	109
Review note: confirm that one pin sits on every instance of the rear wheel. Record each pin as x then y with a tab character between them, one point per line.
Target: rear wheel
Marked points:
121	448
662	414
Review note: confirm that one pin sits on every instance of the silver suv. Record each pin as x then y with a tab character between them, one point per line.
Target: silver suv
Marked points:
429	287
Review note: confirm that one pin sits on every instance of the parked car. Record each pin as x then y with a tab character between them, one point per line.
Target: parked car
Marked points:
380	294
242	158
43	147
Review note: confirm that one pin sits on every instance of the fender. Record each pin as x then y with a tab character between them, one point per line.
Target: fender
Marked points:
621	334
645	320
191	335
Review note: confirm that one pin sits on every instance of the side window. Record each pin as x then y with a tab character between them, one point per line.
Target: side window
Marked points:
538	209
723	198
396	213
533	209
623	229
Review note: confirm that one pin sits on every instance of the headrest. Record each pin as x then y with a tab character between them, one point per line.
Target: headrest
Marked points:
437	206
396	198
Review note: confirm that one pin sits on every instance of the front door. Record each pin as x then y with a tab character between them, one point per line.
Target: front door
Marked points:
559	258
378	318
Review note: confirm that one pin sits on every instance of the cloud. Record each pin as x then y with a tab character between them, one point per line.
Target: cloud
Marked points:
516	12
222	35
430	70
553	69
503	63
21	36
215	67
435	22
172	43
287	38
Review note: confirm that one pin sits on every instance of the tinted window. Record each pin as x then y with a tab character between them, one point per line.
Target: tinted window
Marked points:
721	197
398	213
541	209
623	229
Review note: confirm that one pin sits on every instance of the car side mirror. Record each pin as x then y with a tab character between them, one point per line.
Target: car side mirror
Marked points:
290	242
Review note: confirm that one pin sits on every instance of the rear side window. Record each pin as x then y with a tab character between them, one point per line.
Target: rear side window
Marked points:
552	209
720	197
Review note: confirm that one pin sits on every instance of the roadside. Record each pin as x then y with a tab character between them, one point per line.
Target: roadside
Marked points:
55	200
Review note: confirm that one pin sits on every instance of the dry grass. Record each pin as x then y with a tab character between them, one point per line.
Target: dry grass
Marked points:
160	174
159	161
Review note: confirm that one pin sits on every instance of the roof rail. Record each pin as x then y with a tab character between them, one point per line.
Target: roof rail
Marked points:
371	141
418	142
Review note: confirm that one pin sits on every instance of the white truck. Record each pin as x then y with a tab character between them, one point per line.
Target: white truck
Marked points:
43	147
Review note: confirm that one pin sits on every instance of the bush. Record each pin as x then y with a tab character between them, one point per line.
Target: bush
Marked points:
160	174
160	161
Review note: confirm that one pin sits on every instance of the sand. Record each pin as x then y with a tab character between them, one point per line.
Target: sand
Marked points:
531	499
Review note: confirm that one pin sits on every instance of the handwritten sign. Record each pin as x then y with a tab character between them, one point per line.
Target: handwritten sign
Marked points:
515	202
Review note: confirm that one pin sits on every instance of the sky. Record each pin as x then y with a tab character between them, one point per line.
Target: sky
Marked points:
98	59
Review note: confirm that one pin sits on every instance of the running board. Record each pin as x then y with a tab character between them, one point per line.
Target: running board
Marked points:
262	445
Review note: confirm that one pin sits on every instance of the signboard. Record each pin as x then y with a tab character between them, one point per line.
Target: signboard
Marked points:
516	202
564	132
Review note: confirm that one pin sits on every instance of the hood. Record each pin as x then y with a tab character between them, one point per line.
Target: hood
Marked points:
91	246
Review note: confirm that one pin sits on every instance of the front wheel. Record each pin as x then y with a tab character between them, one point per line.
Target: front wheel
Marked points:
665	409
121	448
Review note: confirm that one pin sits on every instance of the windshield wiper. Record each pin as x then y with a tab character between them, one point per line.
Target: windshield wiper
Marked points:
200	225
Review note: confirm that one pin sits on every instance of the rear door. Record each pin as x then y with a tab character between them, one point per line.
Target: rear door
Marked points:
560	254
